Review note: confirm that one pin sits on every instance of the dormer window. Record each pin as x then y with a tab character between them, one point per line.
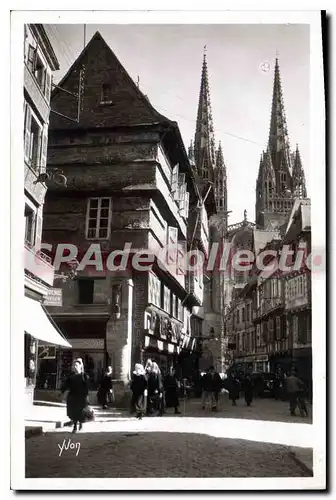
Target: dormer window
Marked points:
106	94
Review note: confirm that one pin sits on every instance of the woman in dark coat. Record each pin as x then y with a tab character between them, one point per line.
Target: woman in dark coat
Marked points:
77	399
171	387
233	388
139	390
248	389
106	388
155	390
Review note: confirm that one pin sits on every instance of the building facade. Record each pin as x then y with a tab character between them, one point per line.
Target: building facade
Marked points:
39	63
129	185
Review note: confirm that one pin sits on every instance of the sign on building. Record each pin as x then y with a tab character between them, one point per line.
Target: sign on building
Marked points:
54	298
46	351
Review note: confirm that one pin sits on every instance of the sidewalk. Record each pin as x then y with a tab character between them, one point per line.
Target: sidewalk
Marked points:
45	416
40	418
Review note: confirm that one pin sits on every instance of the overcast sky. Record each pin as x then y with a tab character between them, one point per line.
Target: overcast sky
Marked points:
168	60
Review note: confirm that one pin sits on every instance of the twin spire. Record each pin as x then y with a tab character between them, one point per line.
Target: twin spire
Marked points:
281	174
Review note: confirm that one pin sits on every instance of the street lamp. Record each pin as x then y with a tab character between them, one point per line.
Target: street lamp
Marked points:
54	175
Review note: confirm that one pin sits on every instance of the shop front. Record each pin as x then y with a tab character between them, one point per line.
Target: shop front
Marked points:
88	342
258	363
164	353
40	335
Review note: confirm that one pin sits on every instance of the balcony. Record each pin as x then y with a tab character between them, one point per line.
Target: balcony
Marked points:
38	264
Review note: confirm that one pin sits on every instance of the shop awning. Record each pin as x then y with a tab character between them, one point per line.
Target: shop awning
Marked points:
38	325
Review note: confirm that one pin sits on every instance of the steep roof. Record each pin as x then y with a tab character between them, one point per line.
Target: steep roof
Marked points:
128	106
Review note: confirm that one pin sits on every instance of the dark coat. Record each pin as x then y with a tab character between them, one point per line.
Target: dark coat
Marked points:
248	389
233	388
171	391
138	384
154	384
107	383
211	383
138	387
77	399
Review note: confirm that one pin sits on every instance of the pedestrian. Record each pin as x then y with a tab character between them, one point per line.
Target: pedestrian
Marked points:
207	386
294	388
139	390
148	366
233	388
171	387
106	388
248	389
217	384
155	390
77	385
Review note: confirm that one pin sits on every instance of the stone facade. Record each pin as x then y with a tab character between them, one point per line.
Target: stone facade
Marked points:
39	62
124	152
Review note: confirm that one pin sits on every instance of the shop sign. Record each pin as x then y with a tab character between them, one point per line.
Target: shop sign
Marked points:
256	359
87	344
54	298
46	351
171	348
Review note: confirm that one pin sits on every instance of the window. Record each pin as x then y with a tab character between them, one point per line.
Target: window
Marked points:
40	73
32	139
278	328
166	299
98	218
31	59
106	94
295	328
29	225
180	309
237	317
154	290
85	291
243	314
173	305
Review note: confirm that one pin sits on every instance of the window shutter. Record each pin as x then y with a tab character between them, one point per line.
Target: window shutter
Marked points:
185	209
27	136
172	246
38	229
48	85
174	180
182	187
44	147
31	62
181	257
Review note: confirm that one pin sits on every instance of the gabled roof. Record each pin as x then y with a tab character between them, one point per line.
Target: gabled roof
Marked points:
301	212
261	238
131	108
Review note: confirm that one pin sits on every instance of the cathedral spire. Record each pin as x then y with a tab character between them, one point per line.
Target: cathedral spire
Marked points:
278	142
299	180
204	145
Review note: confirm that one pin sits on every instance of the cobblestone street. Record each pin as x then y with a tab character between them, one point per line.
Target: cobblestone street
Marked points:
103	455
196	444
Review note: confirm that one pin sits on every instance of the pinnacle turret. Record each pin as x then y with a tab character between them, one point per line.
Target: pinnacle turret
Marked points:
220	182
299	180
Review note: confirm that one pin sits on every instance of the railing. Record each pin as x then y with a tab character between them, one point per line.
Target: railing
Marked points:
38	264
